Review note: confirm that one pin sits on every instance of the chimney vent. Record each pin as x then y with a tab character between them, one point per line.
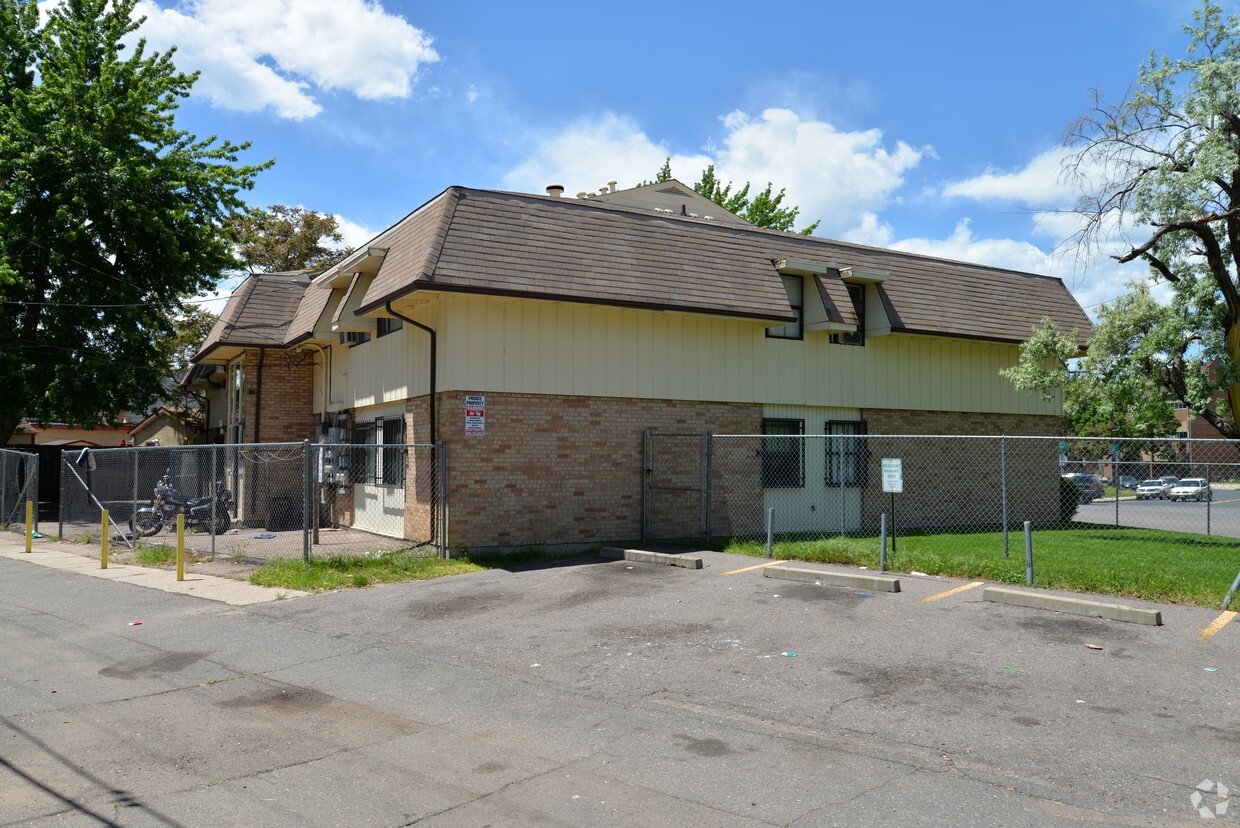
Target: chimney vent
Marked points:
612	185
555	190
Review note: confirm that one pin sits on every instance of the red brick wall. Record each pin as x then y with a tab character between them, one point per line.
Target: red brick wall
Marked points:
554	470
286	414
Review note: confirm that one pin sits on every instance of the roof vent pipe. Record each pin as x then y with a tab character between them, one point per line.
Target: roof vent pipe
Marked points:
612	185
555	190
602	191
582	194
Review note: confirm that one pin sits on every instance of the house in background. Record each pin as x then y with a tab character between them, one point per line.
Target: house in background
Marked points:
539	337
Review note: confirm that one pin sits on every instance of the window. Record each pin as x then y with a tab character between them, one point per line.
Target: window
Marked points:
783	454
352	338
379	453
793	287
392	455
857	294
387	325
846	453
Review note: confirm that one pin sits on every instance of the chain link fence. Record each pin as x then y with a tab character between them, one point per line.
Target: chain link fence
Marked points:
19	483
1147	517
259	501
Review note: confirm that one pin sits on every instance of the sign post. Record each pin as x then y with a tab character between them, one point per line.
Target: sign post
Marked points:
893	484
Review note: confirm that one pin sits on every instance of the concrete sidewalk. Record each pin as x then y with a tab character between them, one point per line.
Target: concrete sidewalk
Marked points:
45	552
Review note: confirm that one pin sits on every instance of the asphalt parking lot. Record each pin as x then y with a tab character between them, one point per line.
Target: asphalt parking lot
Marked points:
605	693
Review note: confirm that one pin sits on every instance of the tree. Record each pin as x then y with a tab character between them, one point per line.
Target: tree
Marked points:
1119	387
763	210
283	238
191	326
109	213
1167	157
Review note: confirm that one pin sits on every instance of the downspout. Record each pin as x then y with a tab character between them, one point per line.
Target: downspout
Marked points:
258	395
430	331
434	451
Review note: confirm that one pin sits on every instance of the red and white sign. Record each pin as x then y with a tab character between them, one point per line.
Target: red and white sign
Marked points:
475	414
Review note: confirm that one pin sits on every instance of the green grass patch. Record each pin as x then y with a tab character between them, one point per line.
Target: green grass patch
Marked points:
342	571
162	554
391	567
1169	567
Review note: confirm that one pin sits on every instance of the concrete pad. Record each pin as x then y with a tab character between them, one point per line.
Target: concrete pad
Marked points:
1075	606
642	556
841	579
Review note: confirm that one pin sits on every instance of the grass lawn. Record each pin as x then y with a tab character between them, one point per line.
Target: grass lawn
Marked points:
1172	567
343	571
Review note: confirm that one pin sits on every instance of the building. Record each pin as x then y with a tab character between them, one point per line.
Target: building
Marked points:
539	337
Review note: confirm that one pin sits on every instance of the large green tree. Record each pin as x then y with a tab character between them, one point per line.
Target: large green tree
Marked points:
109	214
1166	160
280	238
766	209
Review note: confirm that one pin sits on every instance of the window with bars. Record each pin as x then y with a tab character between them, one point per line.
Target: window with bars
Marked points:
379	451
846	453
783	454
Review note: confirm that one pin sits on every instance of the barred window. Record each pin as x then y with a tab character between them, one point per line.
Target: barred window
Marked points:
380	452
846	453
392	454
783	454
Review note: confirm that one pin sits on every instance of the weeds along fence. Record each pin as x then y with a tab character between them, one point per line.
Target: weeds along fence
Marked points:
962	502
264	500
19	483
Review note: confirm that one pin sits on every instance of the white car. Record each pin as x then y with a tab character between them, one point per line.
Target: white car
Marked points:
1191	488
1153	489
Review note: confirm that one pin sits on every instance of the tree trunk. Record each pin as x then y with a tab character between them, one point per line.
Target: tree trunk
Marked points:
1233	389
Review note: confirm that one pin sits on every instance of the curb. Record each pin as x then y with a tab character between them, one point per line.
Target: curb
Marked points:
642	556
843	579
1075	606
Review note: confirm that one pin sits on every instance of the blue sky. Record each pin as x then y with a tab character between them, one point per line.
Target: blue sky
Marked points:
931	127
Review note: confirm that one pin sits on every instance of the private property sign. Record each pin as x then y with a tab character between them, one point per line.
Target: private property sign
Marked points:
475	414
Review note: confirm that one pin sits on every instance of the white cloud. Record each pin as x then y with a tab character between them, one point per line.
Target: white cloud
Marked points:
352	234
258	54
1039	182
834	176
842	178
586	154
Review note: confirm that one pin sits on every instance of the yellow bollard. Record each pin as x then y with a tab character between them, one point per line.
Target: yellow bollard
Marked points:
181	547
29	524
103	542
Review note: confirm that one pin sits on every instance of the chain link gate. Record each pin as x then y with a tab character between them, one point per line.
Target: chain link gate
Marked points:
676	490
19	483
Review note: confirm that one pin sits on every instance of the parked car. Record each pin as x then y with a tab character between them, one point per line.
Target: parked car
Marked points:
1090	486
1170	480
1128	482
1191	488
1155	489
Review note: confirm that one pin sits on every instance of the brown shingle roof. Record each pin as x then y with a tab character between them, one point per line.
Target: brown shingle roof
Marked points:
573	250
257	314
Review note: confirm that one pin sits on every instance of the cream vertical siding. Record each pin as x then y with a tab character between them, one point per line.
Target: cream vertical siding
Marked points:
539	347
387	369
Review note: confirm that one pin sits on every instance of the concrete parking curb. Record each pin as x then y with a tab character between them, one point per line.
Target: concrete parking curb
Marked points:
844	579
1075	606
642	556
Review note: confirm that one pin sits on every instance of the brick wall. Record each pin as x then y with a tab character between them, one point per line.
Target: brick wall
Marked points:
553	470
953	483
286	414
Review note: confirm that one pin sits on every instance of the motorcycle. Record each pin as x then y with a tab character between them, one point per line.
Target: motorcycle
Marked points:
169	502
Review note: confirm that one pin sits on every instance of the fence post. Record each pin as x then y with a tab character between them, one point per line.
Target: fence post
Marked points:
214	503
646	486
135	489
305	500
1003	490
1209	498
1029	553
710	477
882	555
443	499
29	525
770	529
4	485
60	513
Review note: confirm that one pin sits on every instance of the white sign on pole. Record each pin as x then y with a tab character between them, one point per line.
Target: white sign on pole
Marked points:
475	414
893	475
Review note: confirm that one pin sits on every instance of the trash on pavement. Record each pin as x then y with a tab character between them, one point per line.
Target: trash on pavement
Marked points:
135	623
1094	646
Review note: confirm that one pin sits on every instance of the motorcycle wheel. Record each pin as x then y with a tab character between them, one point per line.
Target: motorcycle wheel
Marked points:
145	524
